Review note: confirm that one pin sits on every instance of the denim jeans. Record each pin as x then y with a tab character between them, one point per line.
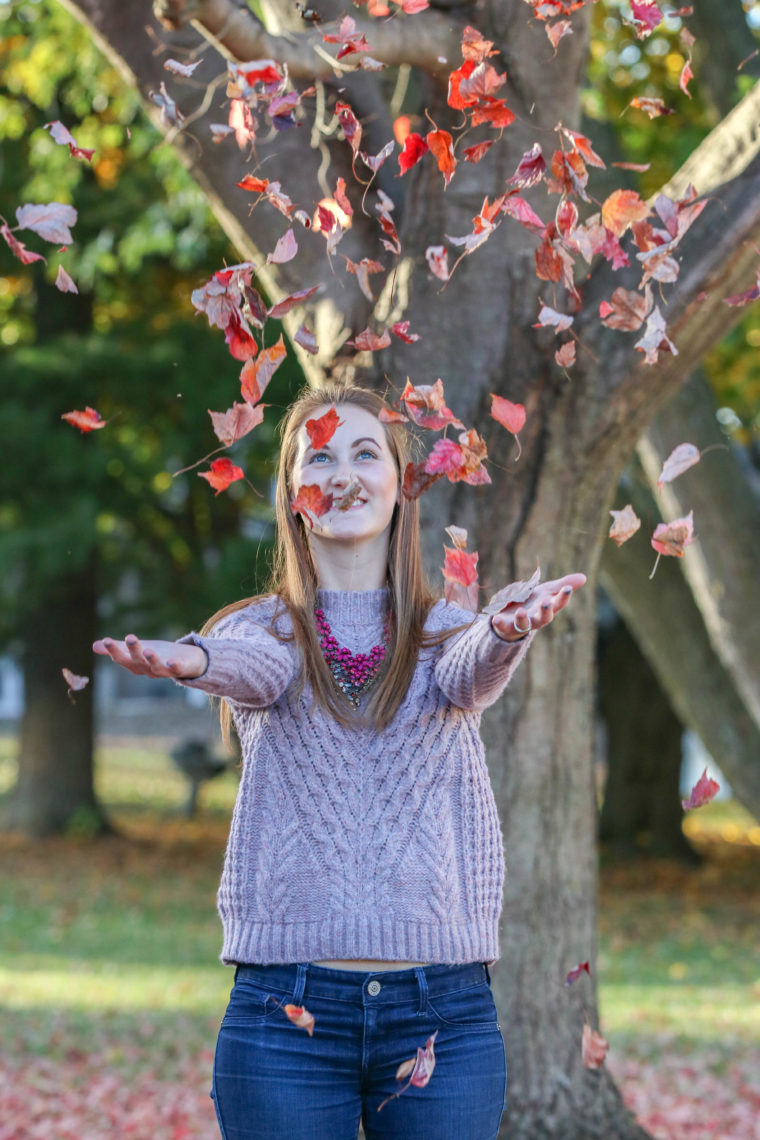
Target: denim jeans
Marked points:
272	1081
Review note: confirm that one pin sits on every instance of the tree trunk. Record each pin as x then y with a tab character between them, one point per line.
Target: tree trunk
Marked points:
641	811
54	792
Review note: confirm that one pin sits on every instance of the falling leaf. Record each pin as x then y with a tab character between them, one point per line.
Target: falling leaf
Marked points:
401	330
446	458
236	422
417	480
458	536
438	261
655	338
362	271
531	168
310	501
222	473
442	149
375	161
686	76
672	538
647	16
352	129
63	136
74	681
391	416
419	1069
626	310
64	282
185	69
739	299
88	420
239	340
170	112
412	7
575	973
594	1048
478	151
583	146
27	256
570	173
653	106
565	354
414	148
368	341
321	430
426	405
474	451
51	221
625	523
461	578
256	373
621	209
300	1017
349	496
703	791
518	208
680	459
509	415
547	316
287	303
253	184
402	126
305	337
285	250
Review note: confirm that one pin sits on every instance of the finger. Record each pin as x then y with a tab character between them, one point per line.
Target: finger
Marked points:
521	621
575	581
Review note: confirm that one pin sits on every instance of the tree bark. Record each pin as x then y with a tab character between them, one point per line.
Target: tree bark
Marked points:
55	792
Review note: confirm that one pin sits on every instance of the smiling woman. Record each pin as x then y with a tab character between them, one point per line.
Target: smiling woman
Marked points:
362	884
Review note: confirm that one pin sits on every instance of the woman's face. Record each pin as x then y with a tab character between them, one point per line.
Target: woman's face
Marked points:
357	458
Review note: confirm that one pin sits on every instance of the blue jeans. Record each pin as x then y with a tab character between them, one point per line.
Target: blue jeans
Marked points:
272	1081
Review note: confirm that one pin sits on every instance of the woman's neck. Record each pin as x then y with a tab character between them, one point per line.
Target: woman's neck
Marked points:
349	567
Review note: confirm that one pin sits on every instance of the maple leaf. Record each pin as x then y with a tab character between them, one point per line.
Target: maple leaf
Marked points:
531	168
583	146
626	310
236	422
51	221
416	480
256	373
239	339
570	174
438	261
310	501
474	47
476	152
523	212
27	256
74	681
480	82
655	338
368	341
594	1048
88	420
672	538
493	111
426	406
442	149
575	973
557	30
460	577
287	303
515	594
646	17
391	416
222	473
419	1069
63	136
321	430
565	354
703	791
362	272
474	451
300	1017
446	458
625	523
509	415
414	148
307	340
401	330
64	282
680	459
621	209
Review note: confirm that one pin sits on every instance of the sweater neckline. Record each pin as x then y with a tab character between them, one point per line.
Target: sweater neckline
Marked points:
353	605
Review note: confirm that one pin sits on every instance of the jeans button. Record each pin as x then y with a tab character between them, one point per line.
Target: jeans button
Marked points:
374	987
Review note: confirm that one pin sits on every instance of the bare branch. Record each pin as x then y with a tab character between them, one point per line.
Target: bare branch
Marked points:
236	32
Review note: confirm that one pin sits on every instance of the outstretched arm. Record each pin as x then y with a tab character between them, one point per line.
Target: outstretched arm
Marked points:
477	666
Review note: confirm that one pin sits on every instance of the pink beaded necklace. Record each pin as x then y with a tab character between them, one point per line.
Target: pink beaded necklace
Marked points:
353	673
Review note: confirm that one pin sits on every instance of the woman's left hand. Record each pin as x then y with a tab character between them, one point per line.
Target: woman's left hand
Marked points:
548	598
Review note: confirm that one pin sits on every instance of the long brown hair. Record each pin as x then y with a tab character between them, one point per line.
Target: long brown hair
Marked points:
294	577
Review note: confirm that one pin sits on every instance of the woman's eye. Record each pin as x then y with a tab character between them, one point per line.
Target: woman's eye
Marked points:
318	455
366	452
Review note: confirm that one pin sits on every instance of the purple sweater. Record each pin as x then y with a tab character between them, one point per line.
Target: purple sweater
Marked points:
353	843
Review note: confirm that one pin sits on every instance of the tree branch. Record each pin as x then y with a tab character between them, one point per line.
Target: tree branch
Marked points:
237	33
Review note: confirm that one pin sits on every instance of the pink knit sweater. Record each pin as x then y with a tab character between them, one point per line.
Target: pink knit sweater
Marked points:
353	843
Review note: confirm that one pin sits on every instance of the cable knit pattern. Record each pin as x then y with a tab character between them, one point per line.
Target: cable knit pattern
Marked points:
352	843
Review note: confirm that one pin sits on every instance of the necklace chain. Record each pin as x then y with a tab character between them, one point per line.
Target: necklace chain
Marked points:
353	673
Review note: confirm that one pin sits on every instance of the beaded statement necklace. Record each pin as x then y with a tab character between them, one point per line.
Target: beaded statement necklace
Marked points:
353	673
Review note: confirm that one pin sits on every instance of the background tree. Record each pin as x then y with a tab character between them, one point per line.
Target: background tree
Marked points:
478	335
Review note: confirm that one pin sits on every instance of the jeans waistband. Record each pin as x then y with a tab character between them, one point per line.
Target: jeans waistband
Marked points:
304	978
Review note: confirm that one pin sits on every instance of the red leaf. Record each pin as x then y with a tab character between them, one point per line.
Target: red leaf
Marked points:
310	501
646	17
51	221
64	282
426	406
446	458
518	208
307	340
287	303
460	566
239	340
509	415
481	82
576	972
653	106
626	310
412	7
240	120
583	146
672	538
27	256
680	459
300	1017
474	47
625	523
260	71
414	148
256	374
401	330
557	30
222	473
74	681
531	168
236	422
368	341
438	261
362	272
391	416
594	1048
474	452
416	480
375	161
570	173
475	153
703	791
565	354
738	299
350	124
686	76
64	137
454	98
321	430
88	420
441	146
419	1069
342	198
495	112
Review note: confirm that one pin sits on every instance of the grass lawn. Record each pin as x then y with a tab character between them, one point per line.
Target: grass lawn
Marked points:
111	990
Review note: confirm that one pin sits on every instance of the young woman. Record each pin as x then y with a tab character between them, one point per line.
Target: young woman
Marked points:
364	870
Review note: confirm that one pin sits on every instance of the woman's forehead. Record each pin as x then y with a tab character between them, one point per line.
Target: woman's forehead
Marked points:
355	423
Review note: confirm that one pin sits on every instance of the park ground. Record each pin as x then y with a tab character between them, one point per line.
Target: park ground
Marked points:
111	992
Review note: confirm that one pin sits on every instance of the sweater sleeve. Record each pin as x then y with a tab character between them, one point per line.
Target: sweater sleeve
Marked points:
477	665
245	663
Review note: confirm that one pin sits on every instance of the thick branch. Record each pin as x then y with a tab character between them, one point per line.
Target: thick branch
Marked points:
669	629
234	30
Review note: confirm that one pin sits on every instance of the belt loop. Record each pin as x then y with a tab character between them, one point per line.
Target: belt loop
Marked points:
488	972
423	987
298	992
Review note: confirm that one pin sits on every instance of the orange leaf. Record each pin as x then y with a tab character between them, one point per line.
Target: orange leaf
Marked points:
509	415
88	420
441	145
673	537
622	209
222	473
301	1017
256	185
427	407
256	373
594	1048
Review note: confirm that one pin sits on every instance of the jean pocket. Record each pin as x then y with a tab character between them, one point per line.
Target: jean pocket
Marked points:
472	1008
250	1003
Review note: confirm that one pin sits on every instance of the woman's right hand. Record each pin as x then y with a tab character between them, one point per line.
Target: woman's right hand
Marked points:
154	658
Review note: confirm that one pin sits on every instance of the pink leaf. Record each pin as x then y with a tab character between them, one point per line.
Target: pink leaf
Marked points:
680	459
672	538
236	422
509	415
703	791
625	523
27	256
50	221
64	282
63	136
285	250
